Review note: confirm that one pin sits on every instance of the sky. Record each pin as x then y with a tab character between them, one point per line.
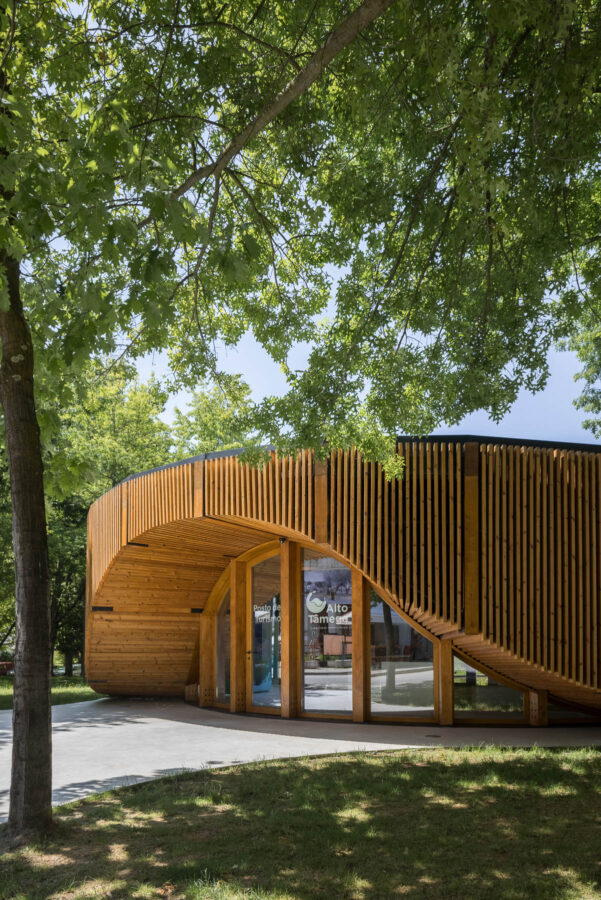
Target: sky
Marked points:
549	415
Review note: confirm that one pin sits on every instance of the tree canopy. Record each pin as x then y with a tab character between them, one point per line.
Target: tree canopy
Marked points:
446	164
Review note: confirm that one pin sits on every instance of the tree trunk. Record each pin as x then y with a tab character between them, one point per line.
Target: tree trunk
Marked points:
30	791
68	656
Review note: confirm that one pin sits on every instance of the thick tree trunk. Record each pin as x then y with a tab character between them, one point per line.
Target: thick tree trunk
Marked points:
30	792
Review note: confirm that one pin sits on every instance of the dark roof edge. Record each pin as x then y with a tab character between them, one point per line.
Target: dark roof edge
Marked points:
215	454
431	438
508	441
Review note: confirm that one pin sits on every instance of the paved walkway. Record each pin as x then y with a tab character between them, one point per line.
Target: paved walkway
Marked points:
102	744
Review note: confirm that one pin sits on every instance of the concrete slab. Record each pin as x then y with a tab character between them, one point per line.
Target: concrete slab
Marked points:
102	744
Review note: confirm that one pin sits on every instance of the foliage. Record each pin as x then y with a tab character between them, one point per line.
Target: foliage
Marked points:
431	823
446	164
215	419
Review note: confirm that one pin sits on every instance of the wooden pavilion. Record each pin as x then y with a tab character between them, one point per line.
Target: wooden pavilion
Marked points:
469	590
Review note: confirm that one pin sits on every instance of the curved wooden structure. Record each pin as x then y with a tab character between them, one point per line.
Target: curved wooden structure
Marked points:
489	548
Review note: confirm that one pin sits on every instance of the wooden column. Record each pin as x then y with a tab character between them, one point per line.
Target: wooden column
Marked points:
445	682
206	659
321	501
291	630
537	707
238	616
471	532
361	661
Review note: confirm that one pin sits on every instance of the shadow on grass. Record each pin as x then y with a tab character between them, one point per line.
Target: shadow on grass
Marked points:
419	824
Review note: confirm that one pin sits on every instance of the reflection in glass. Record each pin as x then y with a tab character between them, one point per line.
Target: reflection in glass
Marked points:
327	634
476	694
222	680
266	635
402	666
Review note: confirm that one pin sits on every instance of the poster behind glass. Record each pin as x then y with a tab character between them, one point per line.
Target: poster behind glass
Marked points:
327	635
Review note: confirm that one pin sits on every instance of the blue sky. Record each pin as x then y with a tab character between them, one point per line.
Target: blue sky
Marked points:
549	415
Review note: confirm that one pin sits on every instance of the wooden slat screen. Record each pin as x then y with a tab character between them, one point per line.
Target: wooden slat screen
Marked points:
280	493
534	515
104	534
405	534
157	498
539	533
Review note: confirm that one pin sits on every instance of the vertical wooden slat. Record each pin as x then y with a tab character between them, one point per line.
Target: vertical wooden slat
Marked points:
483	538
459	520
445	525
353	523
372	520
587	568
379	537
580	536
531	559
511	547
124	499
490	542
544	557
360	639
551	510
427	601
435	599
385	533
345	505
471	574
414	600
571	607
339	489
366	561
502	635
321	501
199	474
595	598
538	612
524	557
310	488
422	527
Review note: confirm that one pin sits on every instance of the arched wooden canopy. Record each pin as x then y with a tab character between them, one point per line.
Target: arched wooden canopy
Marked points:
490	547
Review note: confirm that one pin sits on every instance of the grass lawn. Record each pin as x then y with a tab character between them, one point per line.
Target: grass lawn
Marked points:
436	824
64	690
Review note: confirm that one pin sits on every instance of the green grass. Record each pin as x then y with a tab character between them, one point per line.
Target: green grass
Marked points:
479	824
64	690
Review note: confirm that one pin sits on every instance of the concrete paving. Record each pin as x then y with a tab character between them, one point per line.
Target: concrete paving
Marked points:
102	744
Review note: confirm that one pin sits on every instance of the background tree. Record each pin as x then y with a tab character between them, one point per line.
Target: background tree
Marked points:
216	418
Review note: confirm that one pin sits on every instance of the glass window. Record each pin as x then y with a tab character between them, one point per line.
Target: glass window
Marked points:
401	666
327	634
222	679
478	695
266	634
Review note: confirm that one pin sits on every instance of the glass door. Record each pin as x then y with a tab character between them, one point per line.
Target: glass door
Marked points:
264	670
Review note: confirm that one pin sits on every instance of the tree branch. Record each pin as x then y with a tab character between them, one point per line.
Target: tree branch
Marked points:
353	25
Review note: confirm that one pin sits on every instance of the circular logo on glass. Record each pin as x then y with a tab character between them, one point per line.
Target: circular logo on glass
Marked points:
315	604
